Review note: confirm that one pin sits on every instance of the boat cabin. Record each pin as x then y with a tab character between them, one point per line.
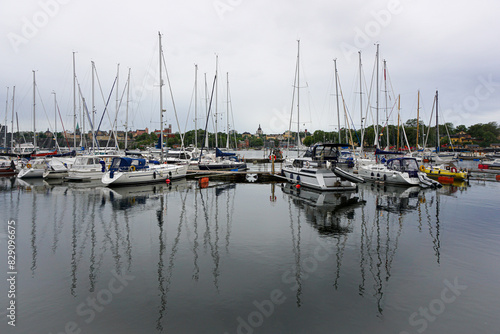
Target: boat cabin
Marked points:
402	164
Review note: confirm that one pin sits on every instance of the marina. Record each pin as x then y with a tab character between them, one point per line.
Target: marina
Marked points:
237	256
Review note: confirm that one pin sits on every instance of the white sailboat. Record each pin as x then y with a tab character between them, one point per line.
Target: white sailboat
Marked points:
127	170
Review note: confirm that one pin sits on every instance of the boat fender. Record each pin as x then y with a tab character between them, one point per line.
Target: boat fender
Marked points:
154	175
161	173
298	178
453	170
422	168
111	174
385	177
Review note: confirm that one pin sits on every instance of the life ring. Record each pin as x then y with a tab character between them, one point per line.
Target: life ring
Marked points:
28	166
132	168
422	168
453	170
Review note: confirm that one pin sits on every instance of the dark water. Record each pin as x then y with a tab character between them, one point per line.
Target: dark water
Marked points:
252	258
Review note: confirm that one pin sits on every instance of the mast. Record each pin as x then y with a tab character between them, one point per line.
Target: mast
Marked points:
56	144
437	125
216	99
93	111
126	114
399	110
6	112
161	103
386	108
34	103
74	102
227	111
298	95
361	102
195	105
376	118
12	121
337	95
418	114
117	106
206	109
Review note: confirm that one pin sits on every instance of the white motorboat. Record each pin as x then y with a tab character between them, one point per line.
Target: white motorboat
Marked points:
34	168
400	171
89	167
318	170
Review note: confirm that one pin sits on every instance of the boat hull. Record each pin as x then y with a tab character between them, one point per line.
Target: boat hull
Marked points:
148	175
316	178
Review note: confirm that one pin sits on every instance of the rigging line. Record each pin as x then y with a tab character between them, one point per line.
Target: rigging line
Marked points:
60	117
115	125
88	115
291	108
43	106
106	105
173	102
102	94
209	109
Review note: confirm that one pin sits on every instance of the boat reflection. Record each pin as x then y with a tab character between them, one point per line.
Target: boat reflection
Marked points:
324	210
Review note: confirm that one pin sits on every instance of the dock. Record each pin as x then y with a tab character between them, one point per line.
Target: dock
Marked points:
236	176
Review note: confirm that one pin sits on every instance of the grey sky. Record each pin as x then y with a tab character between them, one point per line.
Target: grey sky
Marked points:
448	46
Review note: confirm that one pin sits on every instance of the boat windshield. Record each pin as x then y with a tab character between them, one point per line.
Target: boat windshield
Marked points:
409	164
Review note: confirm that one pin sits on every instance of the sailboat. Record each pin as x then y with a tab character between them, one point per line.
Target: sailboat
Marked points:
128	170
318	169
221	160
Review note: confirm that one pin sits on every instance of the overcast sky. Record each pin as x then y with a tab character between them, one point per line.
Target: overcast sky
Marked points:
449	46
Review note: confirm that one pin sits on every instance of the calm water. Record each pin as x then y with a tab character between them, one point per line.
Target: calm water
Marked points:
252	258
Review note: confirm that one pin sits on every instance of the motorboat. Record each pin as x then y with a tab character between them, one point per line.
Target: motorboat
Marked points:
89	167
318	170
400	171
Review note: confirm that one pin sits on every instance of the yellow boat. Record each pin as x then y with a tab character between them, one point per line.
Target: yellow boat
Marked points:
448	171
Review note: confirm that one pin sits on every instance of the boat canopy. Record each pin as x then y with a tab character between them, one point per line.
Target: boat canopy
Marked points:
379	151
219	153
126	163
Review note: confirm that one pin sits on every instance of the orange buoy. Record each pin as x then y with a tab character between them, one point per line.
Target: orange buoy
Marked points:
167	181
204	182
297	186
497	177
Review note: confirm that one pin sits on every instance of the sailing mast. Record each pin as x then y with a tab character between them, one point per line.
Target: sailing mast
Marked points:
437	125
337	94
361	102
298	99
12	121
376	119
6	112
126	115
216	99
195	105
227	111
161	102
418	114
74	102
386	108
34	103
